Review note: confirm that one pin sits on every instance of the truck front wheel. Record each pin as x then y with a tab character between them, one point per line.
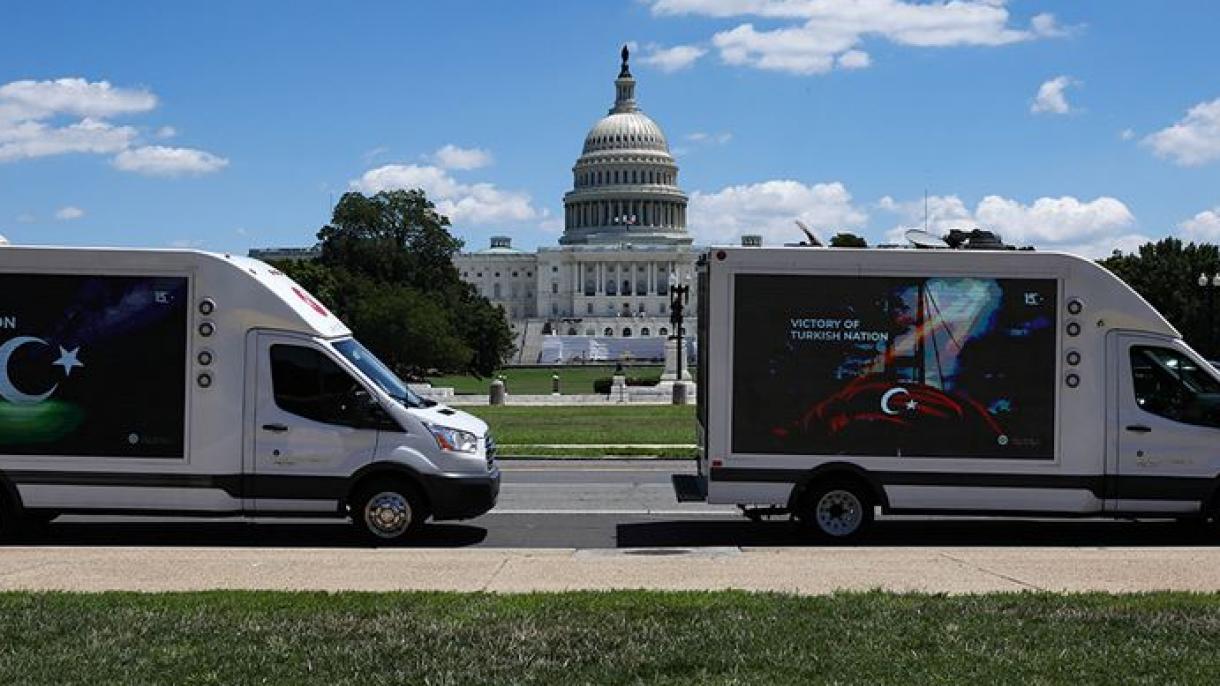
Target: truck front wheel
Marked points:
837	511
388	511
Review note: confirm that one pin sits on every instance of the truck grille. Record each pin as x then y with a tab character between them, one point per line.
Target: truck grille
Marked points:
490	450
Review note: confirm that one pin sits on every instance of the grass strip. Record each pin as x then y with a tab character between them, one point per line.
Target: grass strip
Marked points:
614	424
510	452
606	638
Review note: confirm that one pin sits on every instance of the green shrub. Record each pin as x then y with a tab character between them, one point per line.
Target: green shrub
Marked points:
603	384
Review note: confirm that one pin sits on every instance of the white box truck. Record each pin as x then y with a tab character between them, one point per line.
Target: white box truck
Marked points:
175	382
835	381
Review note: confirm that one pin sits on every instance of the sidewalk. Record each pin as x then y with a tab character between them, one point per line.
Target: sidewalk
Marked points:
800	570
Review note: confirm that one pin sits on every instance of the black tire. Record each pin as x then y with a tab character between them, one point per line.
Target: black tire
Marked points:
388	511
836	511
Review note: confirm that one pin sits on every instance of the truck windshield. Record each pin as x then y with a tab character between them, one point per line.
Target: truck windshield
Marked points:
381	375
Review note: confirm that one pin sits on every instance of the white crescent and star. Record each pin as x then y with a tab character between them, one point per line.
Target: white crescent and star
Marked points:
67	359
889	395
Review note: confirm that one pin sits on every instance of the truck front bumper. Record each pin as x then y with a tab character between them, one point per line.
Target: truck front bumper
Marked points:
462	496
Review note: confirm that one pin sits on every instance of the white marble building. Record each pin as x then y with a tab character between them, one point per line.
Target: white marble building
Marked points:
624	236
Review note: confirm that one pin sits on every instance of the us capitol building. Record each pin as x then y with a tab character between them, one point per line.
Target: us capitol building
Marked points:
603	292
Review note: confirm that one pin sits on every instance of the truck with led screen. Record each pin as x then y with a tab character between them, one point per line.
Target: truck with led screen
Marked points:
834	383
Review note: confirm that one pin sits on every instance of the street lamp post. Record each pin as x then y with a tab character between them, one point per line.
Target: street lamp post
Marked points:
679	294
1210	284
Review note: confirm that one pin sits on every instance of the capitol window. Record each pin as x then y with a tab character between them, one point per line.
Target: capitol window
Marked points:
608	332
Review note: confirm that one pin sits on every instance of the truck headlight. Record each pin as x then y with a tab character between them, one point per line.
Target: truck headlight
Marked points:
454	440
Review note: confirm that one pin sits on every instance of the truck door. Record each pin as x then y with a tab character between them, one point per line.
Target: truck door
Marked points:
1167	414
308	422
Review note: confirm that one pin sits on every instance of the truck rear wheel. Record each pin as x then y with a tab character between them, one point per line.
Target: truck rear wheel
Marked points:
389	511
836	511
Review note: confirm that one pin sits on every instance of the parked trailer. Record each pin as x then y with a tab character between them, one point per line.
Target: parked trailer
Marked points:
175	382
836	381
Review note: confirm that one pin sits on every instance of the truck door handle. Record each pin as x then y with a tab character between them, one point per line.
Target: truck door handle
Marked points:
1139	428
278	428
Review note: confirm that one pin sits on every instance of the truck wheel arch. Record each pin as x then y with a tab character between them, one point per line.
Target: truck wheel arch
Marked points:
10	497
381	470
839	471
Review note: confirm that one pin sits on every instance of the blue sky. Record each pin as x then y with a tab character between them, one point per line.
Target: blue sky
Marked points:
227	125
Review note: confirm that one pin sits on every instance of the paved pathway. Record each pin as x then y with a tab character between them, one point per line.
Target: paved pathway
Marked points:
804	571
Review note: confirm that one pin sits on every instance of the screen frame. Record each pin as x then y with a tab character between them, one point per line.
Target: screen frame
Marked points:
730	343
190	274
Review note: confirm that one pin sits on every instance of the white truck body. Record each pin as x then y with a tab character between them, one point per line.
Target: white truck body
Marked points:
190	383
947	381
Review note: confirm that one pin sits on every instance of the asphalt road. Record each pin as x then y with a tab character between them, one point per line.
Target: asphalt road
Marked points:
613	504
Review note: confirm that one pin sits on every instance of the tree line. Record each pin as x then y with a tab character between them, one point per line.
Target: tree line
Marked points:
386	269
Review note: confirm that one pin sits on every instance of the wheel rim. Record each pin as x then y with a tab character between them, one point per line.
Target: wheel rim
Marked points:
839	513
388	514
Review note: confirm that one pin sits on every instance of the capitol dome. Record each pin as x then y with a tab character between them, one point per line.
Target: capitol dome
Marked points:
624	185
625	131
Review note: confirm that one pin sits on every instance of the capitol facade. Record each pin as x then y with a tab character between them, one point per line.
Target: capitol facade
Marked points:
603	292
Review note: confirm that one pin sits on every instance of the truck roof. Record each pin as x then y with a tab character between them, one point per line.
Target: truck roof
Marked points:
265	296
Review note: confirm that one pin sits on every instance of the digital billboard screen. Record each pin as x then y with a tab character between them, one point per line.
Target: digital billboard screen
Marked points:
92	365
894	366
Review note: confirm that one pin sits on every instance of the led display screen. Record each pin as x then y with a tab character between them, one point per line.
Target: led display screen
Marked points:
894	366
92	365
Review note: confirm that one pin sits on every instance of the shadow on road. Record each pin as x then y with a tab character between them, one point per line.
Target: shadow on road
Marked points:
921	533
600	531
238	534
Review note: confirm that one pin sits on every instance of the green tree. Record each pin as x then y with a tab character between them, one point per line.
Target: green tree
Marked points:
387	270
1166	274
847	240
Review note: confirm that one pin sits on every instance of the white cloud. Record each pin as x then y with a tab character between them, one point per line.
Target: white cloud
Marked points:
673	59
158	160
854	59
69	213
1126	134
477	203
769	208
374	153
453	157
1194	140
29	126
1051	98
550	222
704	138
24	100
30	139
826	33
1204	226
1092	228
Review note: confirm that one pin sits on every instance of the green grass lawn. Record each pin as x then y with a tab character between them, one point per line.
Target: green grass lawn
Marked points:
606	638
537	380
619	424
